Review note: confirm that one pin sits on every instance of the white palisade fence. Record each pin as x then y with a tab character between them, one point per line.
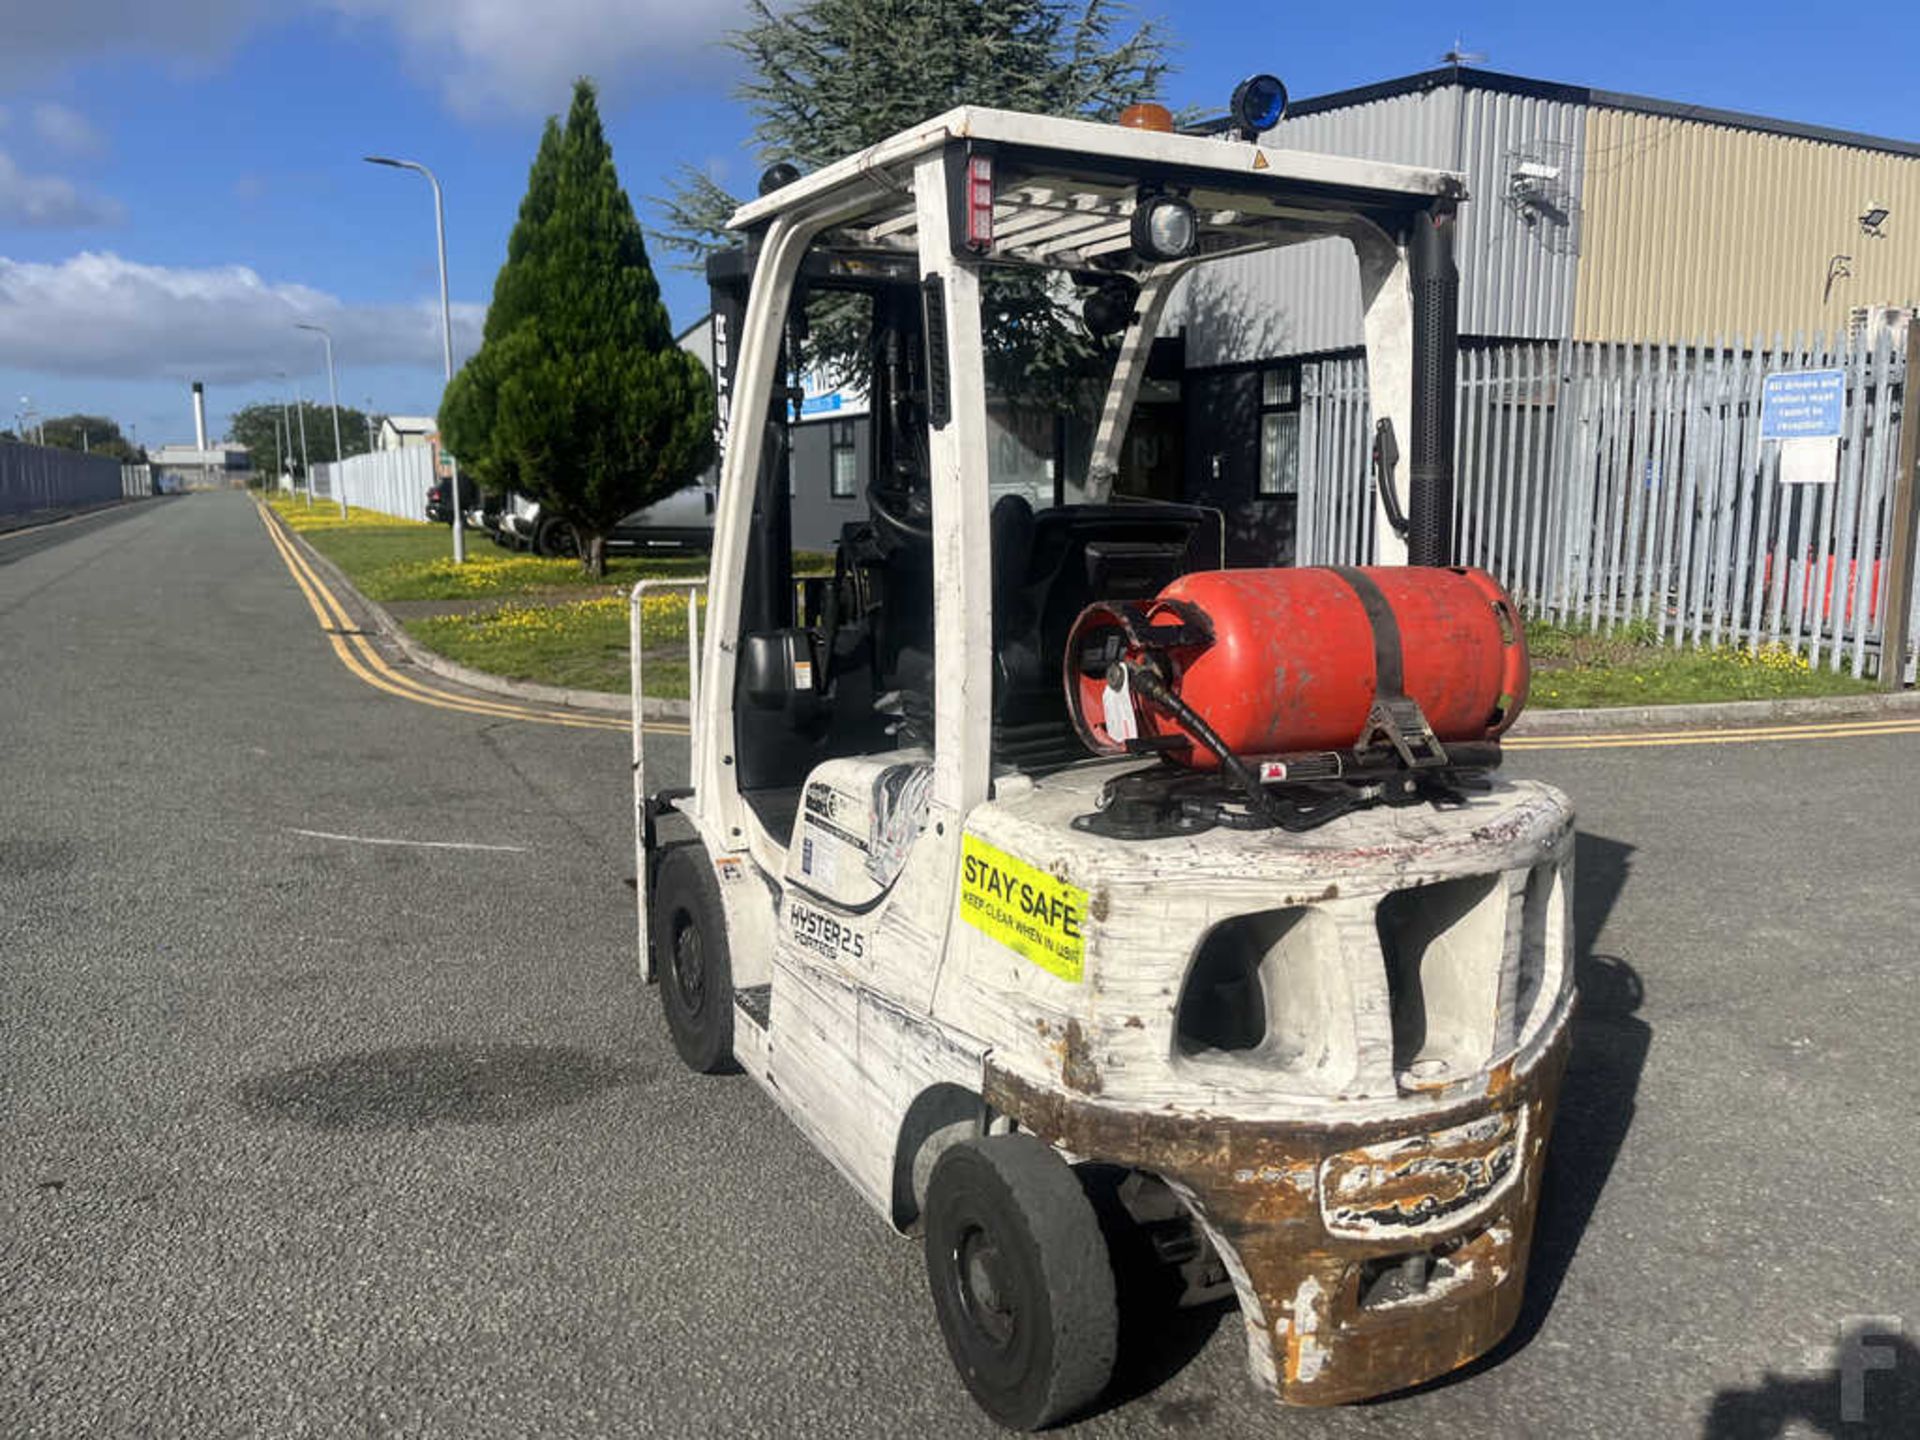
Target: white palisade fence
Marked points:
1606	484
392	482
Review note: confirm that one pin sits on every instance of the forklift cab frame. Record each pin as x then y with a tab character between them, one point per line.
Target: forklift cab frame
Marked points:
921	952
1063	196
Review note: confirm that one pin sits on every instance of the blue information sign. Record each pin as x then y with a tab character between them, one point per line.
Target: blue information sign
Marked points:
1803	405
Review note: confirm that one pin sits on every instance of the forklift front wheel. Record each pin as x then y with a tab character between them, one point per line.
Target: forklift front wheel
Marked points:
695	969
1021	1281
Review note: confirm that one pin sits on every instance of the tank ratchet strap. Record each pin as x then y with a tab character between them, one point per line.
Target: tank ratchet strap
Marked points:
1395	720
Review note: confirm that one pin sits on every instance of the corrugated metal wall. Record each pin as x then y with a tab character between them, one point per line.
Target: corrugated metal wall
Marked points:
1518	275
1519	263
1697	230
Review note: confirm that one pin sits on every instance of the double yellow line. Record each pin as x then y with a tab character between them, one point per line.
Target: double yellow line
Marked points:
358	654
1743	735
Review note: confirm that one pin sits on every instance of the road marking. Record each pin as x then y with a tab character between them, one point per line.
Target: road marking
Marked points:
412	844
356	651
1749	735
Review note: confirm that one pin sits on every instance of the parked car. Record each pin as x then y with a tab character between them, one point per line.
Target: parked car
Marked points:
438	510
519	518
683	522
483	513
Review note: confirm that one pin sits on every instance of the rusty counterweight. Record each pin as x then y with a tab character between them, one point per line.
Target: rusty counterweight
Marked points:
1307	1216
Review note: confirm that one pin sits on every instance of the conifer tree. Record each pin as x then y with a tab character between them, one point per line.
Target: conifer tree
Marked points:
578	396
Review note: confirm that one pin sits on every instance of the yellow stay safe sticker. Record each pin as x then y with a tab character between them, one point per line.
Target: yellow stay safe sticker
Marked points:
1024	909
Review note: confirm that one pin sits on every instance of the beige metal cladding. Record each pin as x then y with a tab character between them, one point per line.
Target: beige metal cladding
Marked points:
1694	230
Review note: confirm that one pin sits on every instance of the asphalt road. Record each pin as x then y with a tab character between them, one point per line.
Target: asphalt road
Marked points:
313	1136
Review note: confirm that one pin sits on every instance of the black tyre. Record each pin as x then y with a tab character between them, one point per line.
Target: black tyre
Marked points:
1021	1281
557	539
692	962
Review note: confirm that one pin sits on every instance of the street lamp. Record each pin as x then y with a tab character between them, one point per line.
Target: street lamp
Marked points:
286	425
306	469
333	395
446	330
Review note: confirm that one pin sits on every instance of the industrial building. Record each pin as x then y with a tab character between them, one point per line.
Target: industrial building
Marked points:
202	465
1595	216
1592	216
407	432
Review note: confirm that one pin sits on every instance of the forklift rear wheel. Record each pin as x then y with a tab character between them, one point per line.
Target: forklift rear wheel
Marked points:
1021	1281
690	951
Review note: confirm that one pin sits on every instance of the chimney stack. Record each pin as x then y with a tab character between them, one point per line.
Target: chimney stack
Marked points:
199	416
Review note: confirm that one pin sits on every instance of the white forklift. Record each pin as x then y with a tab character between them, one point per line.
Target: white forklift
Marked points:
1035	839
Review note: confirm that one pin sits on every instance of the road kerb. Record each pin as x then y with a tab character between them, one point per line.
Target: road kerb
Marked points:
354	646
592	701
1718	715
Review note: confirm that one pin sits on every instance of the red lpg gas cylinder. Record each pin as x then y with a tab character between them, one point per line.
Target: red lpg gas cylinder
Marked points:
1282	662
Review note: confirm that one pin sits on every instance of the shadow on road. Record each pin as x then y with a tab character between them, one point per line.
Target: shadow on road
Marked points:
410	1087
1158	1339
18	542
1872	1392
1610	1044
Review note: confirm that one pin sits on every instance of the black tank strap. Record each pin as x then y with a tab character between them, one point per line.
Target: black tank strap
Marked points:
1395	721
1389	663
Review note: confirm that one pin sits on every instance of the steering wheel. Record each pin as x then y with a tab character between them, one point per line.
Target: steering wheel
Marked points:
902	511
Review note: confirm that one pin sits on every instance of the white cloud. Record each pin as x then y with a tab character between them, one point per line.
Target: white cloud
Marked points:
47	202
99	315
53	35
483	55
64	130
492	54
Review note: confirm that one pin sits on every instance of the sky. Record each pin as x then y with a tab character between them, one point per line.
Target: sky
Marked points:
181	181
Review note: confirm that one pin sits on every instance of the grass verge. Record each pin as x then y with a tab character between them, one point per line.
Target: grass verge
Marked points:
555	625
390	559
581	644
1577	669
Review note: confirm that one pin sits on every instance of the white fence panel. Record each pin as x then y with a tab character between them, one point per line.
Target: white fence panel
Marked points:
391	482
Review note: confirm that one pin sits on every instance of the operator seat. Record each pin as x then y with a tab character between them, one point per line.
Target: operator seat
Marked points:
1049	567
1016	633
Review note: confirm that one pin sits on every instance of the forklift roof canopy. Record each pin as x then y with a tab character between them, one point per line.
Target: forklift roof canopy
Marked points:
1065	189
